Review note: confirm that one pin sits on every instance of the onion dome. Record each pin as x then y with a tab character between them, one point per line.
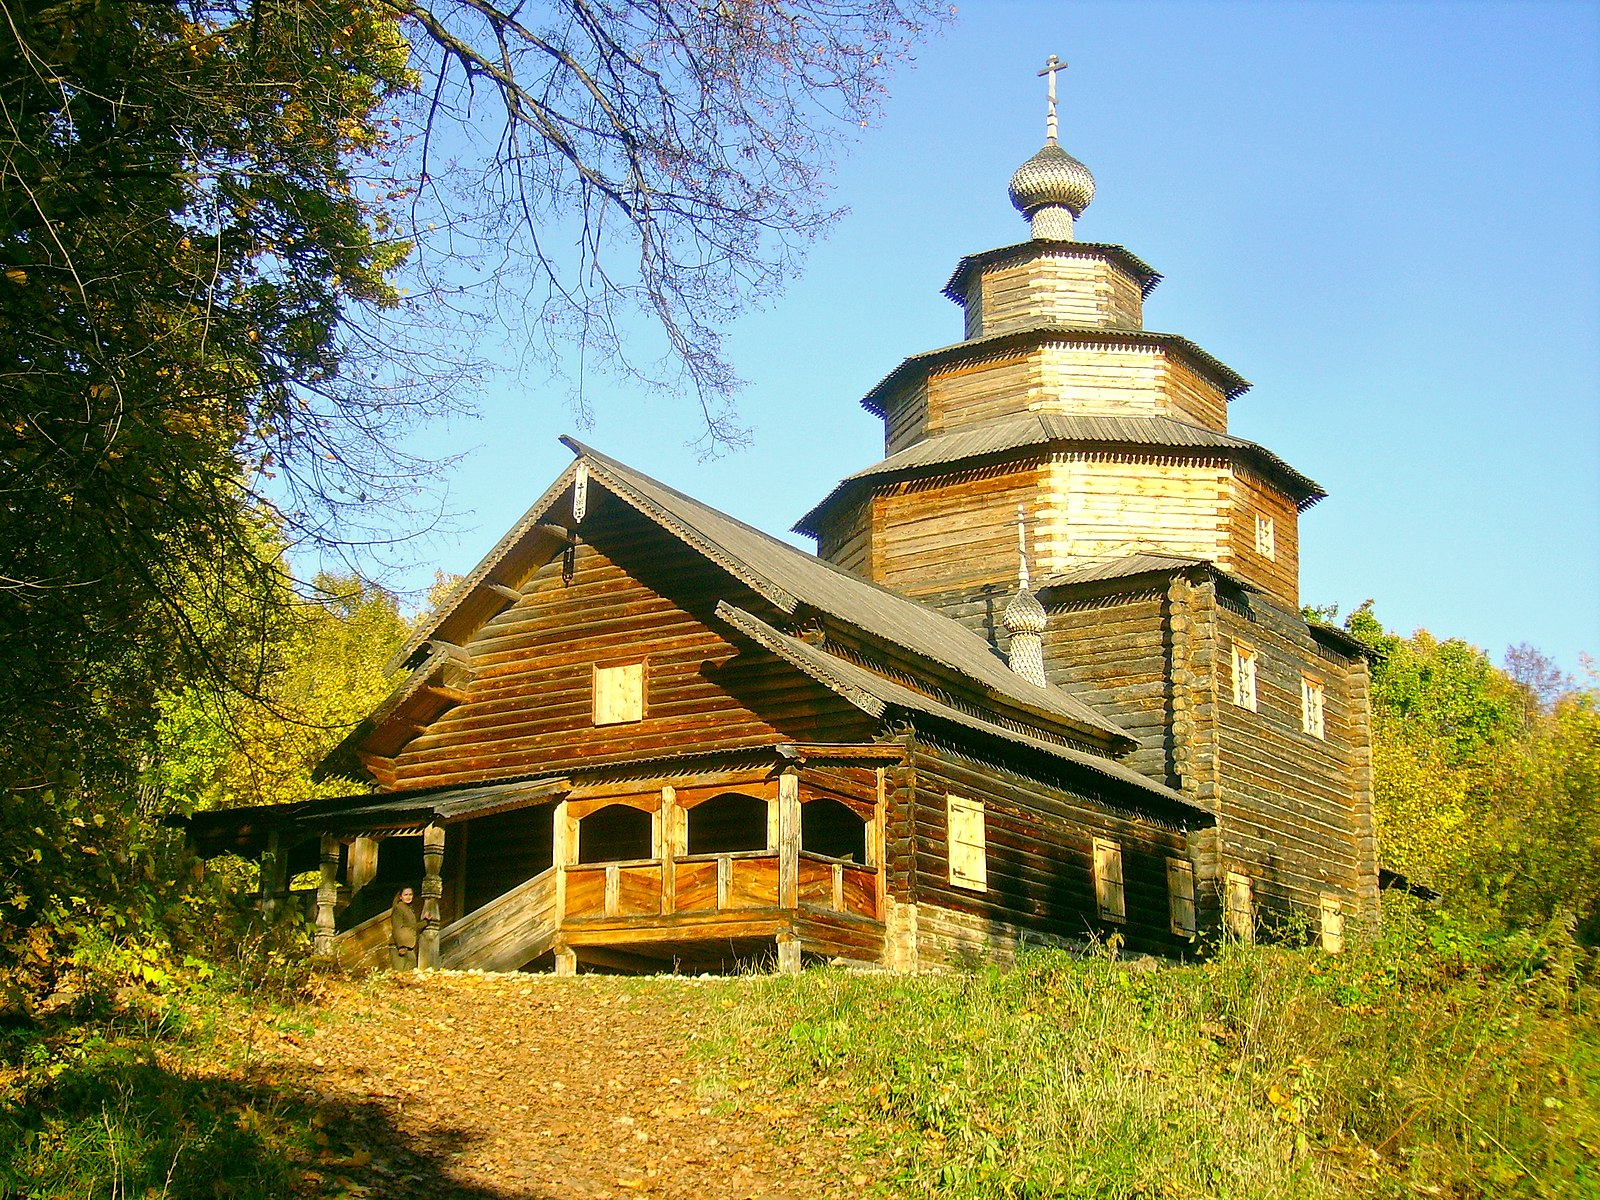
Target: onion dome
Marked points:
1024	614
1051	189
1025	620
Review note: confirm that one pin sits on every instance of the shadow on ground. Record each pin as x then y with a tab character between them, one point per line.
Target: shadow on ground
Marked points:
101	1119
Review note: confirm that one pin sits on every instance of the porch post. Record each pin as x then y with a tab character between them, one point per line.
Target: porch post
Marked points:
432	890
789	840
327	896
564	853
274	876
668	850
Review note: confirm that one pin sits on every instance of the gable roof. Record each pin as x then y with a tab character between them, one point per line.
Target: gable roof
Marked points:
792	581
1028	431
876	695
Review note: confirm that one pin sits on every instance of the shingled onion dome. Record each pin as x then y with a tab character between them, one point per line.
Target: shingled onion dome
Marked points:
1052	189
1025	621
1024	617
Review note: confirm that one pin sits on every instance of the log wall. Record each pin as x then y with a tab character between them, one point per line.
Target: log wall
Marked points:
1055	287
1093	505
1291	809
1279	575
634	595
1039	839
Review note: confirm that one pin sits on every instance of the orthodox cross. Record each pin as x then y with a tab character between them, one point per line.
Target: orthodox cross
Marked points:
1051	66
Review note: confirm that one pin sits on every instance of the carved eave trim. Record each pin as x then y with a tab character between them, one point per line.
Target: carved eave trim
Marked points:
489	588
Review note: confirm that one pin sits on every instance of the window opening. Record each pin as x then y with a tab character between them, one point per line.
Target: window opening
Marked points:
1241	915
1244	676
1332	923
1180	897
728	824
832	828
616	833
1266	538
1312	720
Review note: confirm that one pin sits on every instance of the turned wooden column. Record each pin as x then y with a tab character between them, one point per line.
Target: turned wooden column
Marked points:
432	890
327	897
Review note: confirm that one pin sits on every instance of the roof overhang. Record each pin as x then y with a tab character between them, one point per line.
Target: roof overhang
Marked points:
999	345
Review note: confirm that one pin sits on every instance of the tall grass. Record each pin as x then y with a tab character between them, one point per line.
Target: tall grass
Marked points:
1428	1061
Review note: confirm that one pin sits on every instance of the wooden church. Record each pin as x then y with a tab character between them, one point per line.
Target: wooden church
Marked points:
1045	681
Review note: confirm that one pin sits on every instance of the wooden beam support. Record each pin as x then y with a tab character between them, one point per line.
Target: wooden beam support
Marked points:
327	897
566	958
672	830
504	592
788	953
564	854
432	890
450	695
274	876
788	840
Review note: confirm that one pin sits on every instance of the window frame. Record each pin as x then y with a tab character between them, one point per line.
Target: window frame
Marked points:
1330	911
1180	896
1239	917
612	671
1313	706
1244	655
966	826
1110	889
1266	537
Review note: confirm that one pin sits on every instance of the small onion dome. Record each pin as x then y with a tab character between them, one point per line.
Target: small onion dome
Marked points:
1024	614
1052	178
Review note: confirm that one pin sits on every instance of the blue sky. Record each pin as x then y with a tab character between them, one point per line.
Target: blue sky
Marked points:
1387	216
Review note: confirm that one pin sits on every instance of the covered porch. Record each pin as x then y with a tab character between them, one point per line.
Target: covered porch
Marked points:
712	870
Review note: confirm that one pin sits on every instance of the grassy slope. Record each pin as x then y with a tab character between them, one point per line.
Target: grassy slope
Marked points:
1428	1064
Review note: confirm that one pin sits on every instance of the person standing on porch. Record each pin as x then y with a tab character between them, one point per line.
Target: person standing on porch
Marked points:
403	932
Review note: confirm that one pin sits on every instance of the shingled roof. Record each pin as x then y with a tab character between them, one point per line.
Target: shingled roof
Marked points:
875	694
795	581
997	344
1120	256
1029	431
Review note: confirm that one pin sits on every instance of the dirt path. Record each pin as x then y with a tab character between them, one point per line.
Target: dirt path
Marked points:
528	1086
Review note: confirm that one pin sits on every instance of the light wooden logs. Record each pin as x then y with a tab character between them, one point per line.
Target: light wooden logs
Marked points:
432	890
788	840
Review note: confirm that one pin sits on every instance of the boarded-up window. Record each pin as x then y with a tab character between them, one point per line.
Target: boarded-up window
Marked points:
1311	718
1108	892
1244	676
1332	923
1266	537
1241	907
619	694
969	867
1180	897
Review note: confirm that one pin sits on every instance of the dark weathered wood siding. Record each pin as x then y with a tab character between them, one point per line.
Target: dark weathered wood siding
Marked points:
1039	852
635	594
1290	809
